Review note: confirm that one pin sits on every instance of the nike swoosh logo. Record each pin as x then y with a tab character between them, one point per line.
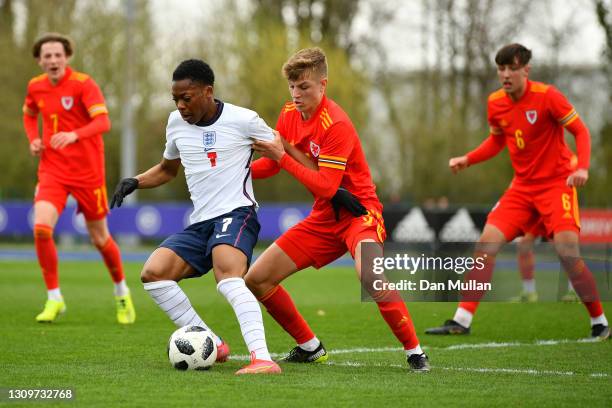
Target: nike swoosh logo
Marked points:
221	235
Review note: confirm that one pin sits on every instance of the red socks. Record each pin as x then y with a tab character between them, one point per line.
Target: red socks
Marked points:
112	259
526	263
281	307
397	317
47	254
584	284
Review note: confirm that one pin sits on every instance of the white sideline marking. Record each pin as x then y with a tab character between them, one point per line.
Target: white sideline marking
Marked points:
477	370
454	347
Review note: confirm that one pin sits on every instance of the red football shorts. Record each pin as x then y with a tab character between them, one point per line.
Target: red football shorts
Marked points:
319	240
521	208
537	230
91	202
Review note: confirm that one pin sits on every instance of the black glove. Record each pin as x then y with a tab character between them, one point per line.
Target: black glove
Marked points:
124	188
346	199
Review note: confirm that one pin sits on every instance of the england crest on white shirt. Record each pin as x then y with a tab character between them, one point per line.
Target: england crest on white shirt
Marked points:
209	138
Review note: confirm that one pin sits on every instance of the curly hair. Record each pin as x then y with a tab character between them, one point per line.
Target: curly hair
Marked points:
53	37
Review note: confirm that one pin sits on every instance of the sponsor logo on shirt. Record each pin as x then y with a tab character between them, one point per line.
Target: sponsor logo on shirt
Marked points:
532	116
67	102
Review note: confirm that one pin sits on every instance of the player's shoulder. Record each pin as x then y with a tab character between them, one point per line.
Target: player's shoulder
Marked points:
79	77
237	113
540	87
289	110
496	96
175	119
38	80
332	114
288	107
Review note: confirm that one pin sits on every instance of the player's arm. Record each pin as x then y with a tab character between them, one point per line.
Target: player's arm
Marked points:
300	157
567	116
30	124
265	167
157	175
583	150
323	182
489	148
100	123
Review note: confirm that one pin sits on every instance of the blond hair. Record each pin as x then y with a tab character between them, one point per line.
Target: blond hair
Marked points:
305	62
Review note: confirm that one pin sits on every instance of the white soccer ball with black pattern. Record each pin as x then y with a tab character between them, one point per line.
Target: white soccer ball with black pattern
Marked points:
192	348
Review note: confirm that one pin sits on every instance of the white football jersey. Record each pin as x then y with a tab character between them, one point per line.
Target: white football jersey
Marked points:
217	158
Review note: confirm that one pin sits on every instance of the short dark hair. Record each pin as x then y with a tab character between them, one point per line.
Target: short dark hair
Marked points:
196	70
53	37
513	53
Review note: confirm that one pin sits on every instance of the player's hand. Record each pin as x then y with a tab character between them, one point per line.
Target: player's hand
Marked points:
63	139
36	147
578	178
345	199
124	188
272	150
457	164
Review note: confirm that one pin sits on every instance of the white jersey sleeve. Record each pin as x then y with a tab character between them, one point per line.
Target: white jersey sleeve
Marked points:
258	129
171	152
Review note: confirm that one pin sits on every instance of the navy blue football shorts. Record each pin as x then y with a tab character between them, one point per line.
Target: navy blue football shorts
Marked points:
238	228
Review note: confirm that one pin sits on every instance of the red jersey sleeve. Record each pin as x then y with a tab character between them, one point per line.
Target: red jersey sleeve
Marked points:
93	100
264	168
493	144
333	156
30	117
563	111
487	149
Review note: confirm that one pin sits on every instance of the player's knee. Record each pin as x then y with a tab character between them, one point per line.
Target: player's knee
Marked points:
150	273
98	239
255	282
43	232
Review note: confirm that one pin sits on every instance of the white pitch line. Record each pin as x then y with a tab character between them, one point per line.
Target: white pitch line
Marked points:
462	346
470	369
455	347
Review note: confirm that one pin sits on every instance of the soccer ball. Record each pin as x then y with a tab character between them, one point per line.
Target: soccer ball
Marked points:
192	348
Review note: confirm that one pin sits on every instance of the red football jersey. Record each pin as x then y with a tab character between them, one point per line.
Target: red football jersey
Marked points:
330	138
65	107
533	129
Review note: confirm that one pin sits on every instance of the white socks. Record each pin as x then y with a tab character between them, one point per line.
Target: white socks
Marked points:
55	294
601	319
310	345
248	313
416	350
121	288
174	302
529	285
463	317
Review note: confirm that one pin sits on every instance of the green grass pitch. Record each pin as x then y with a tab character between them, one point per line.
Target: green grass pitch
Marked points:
503	363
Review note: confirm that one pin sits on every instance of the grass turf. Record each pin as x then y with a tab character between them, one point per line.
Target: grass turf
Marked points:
109	365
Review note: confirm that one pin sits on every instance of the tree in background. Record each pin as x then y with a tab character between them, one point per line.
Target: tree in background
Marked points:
603	155
411	120
96	27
